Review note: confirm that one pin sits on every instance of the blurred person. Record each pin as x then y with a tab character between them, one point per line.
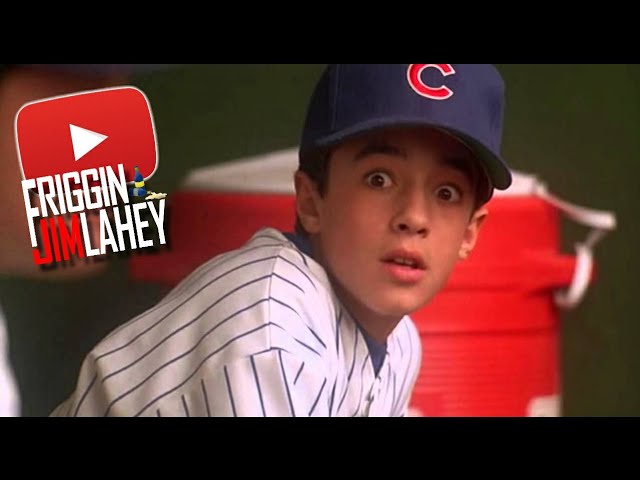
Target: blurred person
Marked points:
21	84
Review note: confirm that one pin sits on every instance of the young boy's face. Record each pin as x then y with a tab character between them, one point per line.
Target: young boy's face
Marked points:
395	218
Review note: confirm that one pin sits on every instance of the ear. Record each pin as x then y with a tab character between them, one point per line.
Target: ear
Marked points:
307	202
471	233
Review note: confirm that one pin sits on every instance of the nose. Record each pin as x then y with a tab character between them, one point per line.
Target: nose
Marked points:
412	214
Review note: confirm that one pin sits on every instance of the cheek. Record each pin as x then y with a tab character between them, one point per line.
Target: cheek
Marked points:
350	211
350	224
343	230
450	236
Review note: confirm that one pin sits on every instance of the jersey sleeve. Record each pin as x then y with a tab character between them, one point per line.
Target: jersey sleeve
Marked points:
273	361
270	383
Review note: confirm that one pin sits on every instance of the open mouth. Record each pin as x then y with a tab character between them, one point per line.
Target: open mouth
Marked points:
405	259
405	262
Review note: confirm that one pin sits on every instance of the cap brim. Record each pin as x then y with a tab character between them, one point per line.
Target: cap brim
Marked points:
496	169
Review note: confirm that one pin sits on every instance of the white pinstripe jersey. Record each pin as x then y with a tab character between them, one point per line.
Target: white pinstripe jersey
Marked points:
254	332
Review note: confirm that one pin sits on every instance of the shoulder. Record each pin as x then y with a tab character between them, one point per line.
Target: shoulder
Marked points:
238	298
267	258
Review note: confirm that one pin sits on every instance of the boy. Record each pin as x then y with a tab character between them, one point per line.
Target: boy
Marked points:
396	162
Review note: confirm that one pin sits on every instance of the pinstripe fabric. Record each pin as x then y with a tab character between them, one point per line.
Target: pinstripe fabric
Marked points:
254	332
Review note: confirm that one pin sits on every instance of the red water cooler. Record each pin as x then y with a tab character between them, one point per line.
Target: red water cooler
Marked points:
490	338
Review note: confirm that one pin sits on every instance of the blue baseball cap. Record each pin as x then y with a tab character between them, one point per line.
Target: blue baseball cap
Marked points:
465	100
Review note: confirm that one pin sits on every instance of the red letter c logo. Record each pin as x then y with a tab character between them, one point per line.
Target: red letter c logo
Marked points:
435	93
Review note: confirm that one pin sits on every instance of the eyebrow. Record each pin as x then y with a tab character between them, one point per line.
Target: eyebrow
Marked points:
380	149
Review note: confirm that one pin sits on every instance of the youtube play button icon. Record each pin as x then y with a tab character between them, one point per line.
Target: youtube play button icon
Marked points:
86	130
84	140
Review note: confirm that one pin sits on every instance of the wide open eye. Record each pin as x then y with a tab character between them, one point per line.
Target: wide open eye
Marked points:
379	180
449	193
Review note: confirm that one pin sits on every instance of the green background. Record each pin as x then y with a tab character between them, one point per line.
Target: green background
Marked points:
576	126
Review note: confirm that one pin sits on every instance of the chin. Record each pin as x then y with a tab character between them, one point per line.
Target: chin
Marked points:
399	306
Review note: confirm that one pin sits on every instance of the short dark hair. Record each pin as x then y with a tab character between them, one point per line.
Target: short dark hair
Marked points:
316	166
317	169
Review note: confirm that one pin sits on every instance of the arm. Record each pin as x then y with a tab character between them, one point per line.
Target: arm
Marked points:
272	383
238	362
232	339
